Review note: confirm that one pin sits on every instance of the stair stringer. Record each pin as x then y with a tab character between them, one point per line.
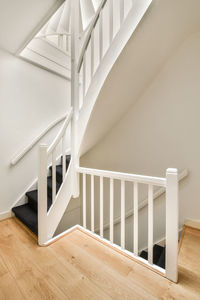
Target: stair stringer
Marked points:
57	210
119	42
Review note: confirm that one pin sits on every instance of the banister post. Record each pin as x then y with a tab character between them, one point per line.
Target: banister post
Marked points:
75	11
172	221
42	195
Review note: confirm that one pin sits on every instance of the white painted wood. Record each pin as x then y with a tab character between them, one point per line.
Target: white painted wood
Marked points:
100	36
110	21
135	218
63	157
84	78
101	206
92	203
150	224
121	11
172	221
110	57
61	132
84	201
53	176
75	9
122	214
158	181
63	198
21	154
42	195
111	209
92	53
88	35
6	215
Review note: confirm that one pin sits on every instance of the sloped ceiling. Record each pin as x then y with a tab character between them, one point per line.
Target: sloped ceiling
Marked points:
20	20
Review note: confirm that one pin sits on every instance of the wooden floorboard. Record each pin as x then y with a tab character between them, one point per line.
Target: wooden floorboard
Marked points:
79	267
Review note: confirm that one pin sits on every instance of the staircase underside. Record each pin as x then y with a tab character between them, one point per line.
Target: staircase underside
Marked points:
79	266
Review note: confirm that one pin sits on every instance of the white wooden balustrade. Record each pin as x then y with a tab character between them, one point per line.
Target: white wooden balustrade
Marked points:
170	183
45	153
85	61
108	14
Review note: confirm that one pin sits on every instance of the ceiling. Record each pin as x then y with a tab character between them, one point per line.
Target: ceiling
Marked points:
20	20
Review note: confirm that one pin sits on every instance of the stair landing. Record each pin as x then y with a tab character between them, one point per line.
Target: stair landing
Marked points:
78	266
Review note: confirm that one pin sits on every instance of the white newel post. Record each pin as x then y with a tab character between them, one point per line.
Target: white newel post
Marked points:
74	93
42	195
172	221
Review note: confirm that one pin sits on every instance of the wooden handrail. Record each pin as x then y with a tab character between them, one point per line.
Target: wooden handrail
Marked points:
26	149
88	35
158	181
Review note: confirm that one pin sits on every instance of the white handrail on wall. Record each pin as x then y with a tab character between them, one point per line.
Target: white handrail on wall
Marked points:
170	183
144	203
26	149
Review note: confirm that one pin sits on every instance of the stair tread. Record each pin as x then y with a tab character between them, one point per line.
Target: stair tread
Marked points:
59	169
27	213
161	261
27	216
33	195
158	252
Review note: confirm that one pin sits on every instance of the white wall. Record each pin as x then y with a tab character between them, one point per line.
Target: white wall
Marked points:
30	100
160	130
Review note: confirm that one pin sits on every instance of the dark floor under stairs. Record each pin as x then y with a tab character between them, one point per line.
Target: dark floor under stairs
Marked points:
27	213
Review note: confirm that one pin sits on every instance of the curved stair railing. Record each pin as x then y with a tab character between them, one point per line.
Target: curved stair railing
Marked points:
86	70
48	219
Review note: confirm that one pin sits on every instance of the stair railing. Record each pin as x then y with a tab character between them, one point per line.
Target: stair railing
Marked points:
46	153
170	183
109	12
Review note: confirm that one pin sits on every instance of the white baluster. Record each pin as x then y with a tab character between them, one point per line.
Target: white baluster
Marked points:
123	214
121	11
172	221
92	203
92	53
135	218
101	206
42	195
84	200
84	76
150	224
53	175
63	157
100	36
110	21
111	209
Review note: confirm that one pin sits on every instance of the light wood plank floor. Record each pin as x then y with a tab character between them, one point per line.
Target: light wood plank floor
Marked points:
80	267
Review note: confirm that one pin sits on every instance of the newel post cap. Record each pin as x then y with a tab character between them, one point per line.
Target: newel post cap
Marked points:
172	171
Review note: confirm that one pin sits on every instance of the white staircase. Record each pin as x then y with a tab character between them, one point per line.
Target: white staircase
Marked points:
93	34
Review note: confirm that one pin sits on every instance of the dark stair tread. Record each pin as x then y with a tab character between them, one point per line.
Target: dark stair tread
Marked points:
59	169
144	254
33	195
157	253
27	216
27	213
161	261
49	185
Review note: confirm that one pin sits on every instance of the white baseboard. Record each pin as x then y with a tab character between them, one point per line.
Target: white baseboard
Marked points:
5	215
